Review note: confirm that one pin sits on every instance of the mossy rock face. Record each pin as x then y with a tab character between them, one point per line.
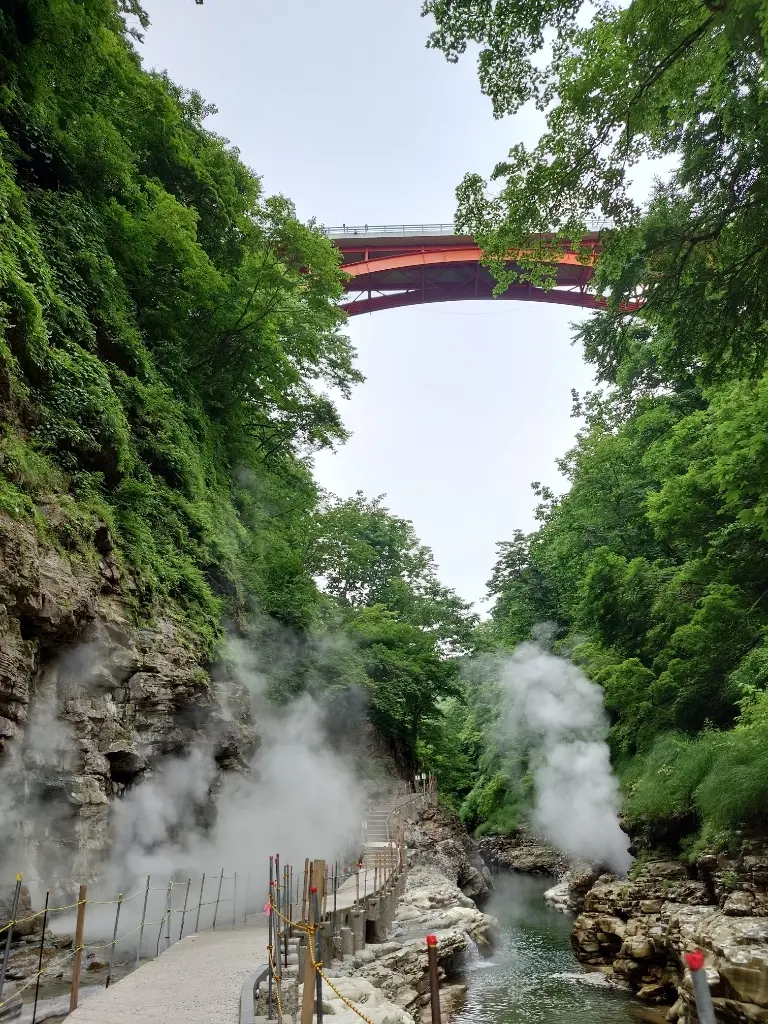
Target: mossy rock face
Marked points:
107	699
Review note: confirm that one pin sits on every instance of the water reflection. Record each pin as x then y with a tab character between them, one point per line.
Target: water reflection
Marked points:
533	975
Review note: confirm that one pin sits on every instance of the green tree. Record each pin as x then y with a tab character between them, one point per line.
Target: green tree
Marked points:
621	83
366	556
407	676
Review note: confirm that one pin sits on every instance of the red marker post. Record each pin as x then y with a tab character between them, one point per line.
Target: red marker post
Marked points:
704	1005
434	981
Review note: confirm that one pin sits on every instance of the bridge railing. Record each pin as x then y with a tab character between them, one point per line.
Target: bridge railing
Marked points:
389	230
420	230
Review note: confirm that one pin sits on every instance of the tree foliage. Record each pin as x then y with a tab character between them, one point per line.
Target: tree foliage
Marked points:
651	568
408	627
169	337
622	83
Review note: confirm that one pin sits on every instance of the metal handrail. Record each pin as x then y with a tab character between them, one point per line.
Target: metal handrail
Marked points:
419	230
389	230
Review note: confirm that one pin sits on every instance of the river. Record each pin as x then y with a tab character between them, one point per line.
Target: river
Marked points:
533	975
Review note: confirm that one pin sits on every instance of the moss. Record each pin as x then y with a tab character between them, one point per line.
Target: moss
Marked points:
15	503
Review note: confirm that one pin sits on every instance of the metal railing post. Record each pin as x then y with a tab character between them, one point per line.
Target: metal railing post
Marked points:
184	910
143	920
40	954
704	1005
318	976
284	902
218	897
200	902
234	902
165	917
271	928
114	940
9	932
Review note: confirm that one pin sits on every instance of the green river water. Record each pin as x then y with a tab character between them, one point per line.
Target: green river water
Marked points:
533	975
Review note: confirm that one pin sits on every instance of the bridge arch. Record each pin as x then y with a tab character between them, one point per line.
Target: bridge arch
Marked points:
411	264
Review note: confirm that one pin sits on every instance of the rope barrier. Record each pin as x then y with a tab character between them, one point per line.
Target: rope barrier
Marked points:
112	903
39	913
278	978
317	965
31	980
340	874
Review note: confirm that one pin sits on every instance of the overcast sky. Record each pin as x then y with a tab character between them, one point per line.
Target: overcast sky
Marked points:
339	105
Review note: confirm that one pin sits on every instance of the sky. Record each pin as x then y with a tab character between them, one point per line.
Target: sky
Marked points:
338	105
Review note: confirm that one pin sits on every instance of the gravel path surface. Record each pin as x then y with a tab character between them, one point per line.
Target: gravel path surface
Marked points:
196	981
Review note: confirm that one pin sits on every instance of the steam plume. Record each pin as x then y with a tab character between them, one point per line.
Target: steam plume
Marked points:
551	710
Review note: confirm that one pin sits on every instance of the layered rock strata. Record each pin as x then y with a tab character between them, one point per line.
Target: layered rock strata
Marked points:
439	840
637	930
90	701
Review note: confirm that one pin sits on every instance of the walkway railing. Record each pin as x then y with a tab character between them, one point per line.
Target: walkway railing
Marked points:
331	907
142	924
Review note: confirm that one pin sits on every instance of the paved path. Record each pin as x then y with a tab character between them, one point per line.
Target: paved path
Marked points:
197	981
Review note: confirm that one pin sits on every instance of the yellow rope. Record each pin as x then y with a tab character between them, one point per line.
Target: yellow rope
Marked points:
317	965
34	977
319	968
277	977
33	917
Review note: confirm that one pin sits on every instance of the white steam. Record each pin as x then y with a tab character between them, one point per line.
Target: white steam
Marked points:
184	817
299	797
553	712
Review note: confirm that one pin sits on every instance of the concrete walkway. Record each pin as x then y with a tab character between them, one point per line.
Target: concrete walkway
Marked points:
196	981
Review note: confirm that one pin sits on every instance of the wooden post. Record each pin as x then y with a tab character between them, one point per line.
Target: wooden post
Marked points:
304	915
79	930
308	998
434	983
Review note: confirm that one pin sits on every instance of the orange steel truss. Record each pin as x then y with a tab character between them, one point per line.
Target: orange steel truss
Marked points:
392	267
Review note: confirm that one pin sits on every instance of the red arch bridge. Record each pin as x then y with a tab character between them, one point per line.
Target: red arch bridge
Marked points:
406	264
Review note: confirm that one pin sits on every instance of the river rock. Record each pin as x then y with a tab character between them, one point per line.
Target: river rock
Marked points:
568	894
523	851
23	910
398	969
641	927
439	839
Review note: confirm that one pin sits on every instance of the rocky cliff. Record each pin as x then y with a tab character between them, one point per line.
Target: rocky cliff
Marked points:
439	840
91	698
636	930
